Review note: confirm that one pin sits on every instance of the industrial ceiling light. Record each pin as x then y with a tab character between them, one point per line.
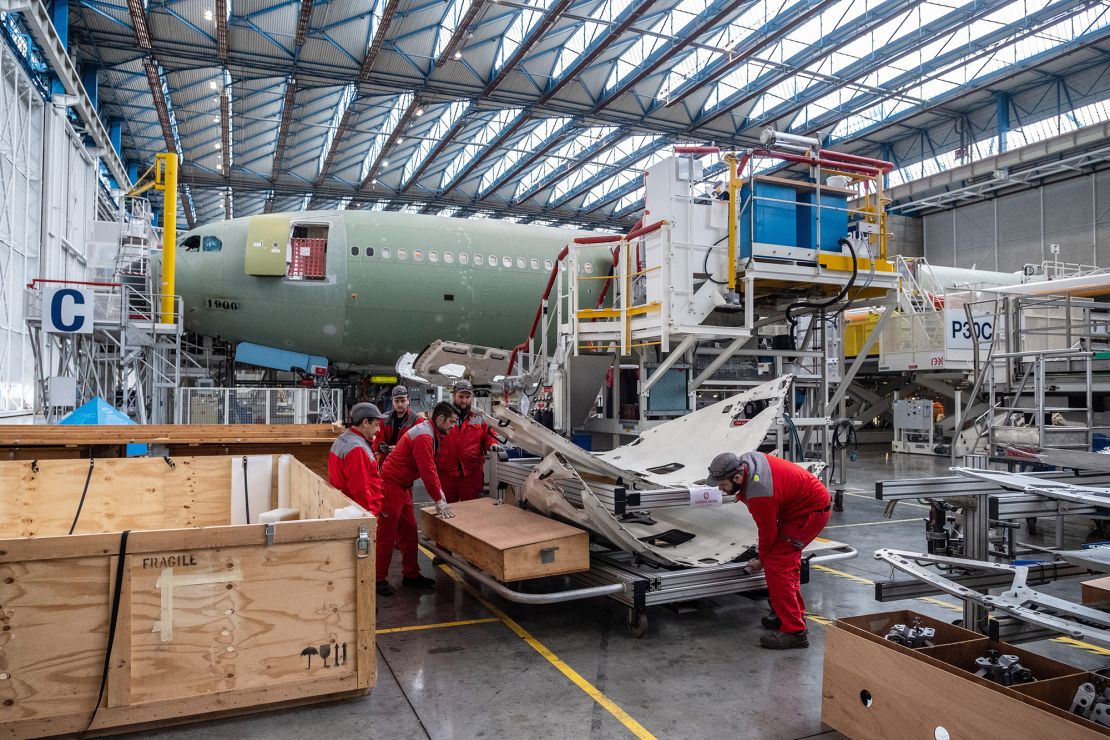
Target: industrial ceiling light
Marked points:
208	14
419	112
458	55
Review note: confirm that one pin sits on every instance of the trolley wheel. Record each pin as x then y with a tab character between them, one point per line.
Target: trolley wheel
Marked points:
637	622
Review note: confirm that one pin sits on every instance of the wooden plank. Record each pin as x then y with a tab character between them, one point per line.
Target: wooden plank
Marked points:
367	612
508	542
872	691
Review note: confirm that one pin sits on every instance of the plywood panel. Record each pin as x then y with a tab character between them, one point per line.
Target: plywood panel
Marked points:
311	495
52	648
44	502
226	619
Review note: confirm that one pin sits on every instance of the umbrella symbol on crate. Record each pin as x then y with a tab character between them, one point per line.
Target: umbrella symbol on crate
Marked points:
309	651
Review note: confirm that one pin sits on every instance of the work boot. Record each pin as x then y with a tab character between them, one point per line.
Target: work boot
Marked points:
419	582
784	640
437	560
384	589
771	622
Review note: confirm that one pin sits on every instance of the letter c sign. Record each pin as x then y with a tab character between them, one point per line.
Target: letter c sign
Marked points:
67	310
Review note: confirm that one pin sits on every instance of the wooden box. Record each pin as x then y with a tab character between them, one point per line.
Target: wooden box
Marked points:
1096	592
213	617
507	542
874	688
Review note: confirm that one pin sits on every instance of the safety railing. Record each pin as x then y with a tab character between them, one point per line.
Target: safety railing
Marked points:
257	405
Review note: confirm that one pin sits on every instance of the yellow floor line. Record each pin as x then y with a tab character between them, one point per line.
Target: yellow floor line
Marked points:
1071	642
871	524
938	602
590	690
824	621
436	626
842	574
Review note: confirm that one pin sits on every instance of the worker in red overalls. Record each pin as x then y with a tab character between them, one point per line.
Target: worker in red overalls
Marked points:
351	465
395	424
790	507
461	460
413	457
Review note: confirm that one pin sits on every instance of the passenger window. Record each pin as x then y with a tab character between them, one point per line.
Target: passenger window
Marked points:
211	244
477	260
547	264
192	244
369	251
590	266
385	253
492	261
448	258
417	255
433	256
402	254
464	258
521	263
535	263
354	251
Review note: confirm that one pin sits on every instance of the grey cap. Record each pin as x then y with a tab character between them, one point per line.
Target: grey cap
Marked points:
400	391
362	411
723	466
463	385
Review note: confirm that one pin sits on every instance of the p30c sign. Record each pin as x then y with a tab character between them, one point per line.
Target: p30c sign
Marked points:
67	310
960	333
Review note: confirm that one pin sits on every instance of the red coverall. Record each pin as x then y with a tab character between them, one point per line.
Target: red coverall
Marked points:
352	469
390	431
790	506
413	457
462	457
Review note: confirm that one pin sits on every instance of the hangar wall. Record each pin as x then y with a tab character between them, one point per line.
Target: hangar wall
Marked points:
47	205
1009	232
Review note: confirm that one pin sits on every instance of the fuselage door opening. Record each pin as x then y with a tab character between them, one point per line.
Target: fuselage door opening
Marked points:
308	249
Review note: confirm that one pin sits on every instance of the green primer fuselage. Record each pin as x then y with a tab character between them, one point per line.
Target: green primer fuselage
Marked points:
374	304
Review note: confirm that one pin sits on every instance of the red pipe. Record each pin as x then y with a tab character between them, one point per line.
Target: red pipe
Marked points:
698	150
856	159
641	231
813	162
606	239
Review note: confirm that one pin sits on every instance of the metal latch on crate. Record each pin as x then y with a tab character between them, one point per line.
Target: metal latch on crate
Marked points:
269	534
547	554
362	544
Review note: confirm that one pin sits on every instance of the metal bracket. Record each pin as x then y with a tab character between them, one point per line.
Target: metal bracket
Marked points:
547	555
362	544
269	534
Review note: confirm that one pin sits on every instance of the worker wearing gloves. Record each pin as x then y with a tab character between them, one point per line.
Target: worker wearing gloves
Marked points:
395	424
461	460
351	465
413	457
790	506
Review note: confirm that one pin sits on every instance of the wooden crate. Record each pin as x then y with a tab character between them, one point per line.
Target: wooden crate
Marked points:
874	688
213	617
507	542
309	443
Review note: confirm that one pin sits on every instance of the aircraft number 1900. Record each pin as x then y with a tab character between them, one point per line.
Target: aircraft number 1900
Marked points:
222	304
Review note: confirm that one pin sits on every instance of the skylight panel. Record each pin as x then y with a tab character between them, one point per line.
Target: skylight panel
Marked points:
443	124
388	125
450	23
567	152
350	92
492	127
529	143
520	27
586	33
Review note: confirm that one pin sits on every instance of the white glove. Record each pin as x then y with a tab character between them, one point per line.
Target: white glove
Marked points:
444	509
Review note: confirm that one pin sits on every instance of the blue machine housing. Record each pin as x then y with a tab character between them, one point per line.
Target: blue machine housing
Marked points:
787	216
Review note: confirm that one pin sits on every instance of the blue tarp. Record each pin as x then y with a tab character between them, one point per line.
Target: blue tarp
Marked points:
99	411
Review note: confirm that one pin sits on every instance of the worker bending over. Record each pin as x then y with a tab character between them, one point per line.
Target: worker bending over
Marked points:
462	457
351	465
413	457
395	424
790	507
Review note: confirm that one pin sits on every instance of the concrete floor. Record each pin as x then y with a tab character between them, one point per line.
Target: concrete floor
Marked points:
459	664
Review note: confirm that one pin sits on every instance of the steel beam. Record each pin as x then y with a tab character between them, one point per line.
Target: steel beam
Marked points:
487	151
550	17
379	39
395	134
436	150
462	31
